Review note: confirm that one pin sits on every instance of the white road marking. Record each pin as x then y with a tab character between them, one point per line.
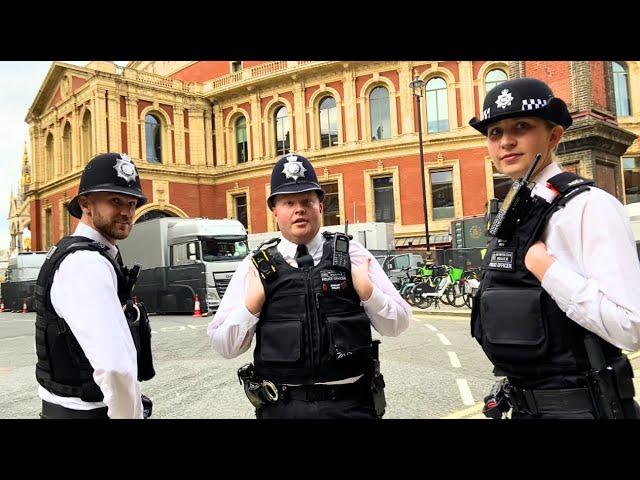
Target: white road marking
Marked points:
443	339
431	327
194	327
174	328
455	363
465	392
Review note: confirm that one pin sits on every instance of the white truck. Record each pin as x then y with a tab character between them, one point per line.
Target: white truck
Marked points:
182	257
20	280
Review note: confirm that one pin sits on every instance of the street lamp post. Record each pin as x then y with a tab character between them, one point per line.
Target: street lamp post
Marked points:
418	88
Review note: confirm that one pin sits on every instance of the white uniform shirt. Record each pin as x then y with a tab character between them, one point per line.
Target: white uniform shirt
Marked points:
85	293
233	326
596	275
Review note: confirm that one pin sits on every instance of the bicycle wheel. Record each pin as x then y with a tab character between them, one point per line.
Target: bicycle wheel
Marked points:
454	296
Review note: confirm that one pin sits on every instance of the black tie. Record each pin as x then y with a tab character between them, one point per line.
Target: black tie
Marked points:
303	258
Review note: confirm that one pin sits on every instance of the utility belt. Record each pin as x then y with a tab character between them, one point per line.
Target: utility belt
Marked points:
504	397
55	411
261	392
58	412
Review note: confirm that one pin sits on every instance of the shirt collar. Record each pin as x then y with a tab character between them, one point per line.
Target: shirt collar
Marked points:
540	189
84	230
289	249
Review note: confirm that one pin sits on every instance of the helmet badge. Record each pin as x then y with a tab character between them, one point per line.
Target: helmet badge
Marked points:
125	168
293	168
504	99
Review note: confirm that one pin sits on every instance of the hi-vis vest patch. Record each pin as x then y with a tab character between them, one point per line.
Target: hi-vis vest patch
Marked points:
502	259
333	280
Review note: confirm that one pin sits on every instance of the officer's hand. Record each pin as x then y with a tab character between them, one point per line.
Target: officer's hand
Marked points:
361	281
255	291
537	260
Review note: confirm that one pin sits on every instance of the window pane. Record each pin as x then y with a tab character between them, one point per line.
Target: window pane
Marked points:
241	139
383	199
630	162
493	78
331	204
442	194
621	90
328	122
241	209
282	131
380	114
153	140
437	108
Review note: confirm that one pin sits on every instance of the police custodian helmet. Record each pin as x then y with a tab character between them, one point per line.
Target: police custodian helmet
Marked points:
293	174
108	172
521	97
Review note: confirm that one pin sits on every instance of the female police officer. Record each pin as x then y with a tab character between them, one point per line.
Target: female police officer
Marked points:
558	298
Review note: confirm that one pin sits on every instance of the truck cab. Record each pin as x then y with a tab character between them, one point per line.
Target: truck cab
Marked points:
184	257
20	279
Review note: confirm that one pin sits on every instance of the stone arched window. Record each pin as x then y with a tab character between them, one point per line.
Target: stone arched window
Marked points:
379	113
493	78
49	161
437	105
282	131
86	138
242	151
621	89
66	148
328	122
153	138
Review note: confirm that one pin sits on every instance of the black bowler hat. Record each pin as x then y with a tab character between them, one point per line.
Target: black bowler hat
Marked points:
293	174
521	97
108	172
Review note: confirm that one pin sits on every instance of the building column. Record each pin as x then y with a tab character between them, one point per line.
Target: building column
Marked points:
406	98
349	102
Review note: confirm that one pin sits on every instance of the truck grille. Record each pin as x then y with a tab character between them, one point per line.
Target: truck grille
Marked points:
221	286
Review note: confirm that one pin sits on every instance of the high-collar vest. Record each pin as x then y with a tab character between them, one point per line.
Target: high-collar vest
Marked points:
312	327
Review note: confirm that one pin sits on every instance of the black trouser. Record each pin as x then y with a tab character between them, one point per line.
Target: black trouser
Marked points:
53	411
347	401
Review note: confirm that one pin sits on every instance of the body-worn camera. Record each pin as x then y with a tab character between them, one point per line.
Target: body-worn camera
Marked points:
341	251
513	206
265	266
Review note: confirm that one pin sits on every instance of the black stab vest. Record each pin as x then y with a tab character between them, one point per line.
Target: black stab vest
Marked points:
312	327
62	366
519	326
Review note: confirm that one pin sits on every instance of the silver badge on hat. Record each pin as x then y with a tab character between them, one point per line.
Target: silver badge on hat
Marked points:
293	168
125	168
504	99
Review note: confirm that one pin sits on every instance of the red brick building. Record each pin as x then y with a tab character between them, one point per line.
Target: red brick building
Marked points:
205	136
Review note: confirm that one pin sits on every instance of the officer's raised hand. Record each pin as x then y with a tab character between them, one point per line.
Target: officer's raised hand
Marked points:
361	281
255	291
537	260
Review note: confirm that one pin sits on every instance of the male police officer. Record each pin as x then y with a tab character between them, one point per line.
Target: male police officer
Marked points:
310	305
92	342
558	296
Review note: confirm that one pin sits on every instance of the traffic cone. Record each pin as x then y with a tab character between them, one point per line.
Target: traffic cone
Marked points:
24	306
196	308
1	305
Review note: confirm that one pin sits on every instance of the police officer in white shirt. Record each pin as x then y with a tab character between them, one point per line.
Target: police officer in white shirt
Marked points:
93	342
311	307
558	298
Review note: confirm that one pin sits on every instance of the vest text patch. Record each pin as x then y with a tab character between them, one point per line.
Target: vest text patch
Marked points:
502	259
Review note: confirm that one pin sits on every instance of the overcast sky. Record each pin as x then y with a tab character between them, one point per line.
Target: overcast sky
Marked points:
19	84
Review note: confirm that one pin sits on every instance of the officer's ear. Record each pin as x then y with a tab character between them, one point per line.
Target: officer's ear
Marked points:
84	202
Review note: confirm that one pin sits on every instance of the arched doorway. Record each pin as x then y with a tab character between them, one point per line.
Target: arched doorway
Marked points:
150	215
